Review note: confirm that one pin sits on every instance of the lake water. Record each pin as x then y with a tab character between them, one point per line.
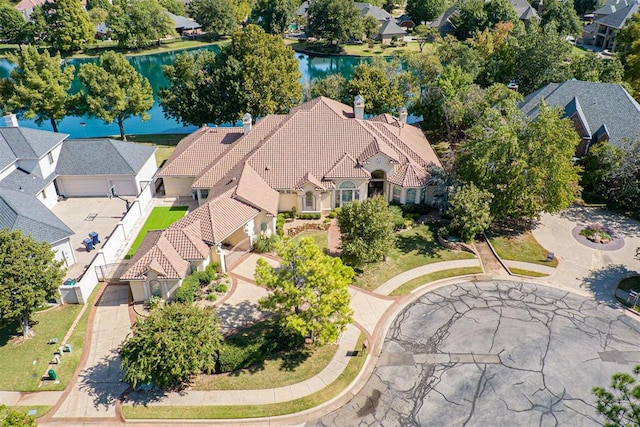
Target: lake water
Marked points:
150	66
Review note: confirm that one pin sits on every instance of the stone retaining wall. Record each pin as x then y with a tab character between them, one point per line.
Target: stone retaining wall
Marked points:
456	246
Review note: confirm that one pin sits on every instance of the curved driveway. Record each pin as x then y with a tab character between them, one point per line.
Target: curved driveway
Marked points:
494	353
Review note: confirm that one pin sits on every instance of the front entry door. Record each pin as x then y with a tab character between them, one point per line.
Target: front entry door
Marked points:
376	188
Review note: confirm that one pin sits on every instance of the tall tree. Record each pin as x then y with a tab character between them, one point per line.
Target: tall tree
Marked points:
471	17
422	11
172	345
499	11
334	86
628	50
309	292
620	405
38	87
174	6
527	166
12	24
470	208
217	17
114	90
29	275
590	67
334	20
366	230
274	16
370	26
138	23
561	16
256	73
68	25
423	33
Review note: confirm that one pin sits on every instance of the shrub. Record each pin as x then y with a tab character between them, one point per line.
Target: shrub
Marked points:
280	224
186	293
222	288
332	214
317	216
212	297
294	212
203	277
396	217
213	269
266	242
232	357
327	220
154	302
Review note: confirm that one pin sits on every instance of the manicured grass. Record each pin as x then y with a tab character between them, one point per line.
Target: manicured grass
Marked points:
412	249
630	284
41	411
272	373
159	219
359	49
164	142
432	277
249	411
523	247
319	238
19	372
527	272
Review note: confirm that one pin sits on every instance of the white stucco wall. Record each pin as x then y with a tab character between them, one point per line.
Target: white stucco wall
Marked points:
178	187
64	252
287	201
147	171
47	168
51	196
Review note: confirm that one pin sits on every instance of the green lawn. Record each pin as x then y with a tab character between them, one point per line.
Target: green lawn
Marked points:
164	142
249	411
432	277
23	364
319	237
159	219
630	284
41	411
360	49
272	373
527	272
523	247
412	249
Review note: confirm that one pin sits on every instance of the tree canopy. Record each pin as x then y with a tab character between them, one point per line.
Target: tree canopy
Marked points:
620	404
470	208
68	25
334	20
274	16
14	418
425	10
366	230
628	50
256	74
172	345
138	23
216	16
12	24
114	90
38	87
29	274
308	292
527	166
561	16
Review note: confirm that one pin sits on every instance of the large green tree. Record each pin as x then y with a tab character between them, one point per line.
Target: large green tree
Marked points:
217	17
172	345
176	7
256	73
470	209
561	16
422	11
620	404
139	23
334	86
334	20
274	16
309	291
527	166
29	276
10	417
68	25
114	90
366	230
38	87
370	26
590	67
12	24
382	86
628	50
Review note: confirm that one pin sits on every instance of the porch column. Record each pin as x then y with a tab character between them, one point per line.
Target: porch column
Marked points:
221	253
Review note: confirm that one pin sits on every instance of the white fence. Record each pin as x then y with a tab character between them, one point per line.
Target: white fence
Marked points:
106	256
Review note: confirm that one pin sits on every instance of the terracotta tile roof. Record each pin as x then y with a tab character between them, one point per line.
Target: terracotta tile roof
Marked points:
219	217
410	175
188	241
156	252
195	152
388	119
310	179
253	190
379	146
347	167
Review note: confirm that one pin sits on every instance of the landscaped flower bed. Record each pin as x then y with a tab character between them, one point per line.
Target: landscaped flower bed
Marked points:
597	233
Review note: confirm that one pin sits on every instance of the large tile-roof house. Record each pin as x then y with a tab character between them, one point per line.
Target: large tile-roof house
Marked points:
321	155
37	167
600	111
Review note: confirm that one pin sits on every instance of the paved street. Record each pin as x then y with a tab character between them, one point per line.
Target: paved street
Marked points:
494	353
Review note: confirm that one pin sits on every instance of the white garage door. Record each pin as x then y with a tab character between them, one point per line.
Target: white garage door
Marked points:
87	186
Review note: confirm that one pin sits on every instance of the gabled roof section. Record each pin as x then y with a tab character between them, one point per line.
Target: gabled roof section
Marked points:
182	22
309	178
611	6
156	253
19	210
347	167
379	146
187	241
618	18
367	9
523	9
574	107
195	152
28	143
102	156
389	27
253	190
387	119
29	183
410	175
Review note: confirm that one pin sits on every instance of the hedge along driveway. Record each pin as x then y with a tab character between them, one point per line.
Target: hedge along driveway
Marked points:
159	219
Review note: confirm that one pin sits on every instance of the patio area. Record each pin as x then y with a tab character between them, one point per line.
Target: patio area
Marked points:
84	215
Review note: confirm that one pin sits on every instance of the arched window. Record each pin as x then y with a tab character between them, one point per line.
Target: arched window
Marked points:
411	196
346	193
377	175
308	201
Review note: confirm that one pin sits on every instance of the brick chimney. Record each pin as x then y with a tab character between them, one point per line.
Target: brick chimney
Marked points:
246	123
358	107
10	121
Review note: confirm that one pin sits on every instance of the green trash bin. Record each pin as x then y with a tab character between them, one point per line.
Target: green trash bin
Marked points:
52	374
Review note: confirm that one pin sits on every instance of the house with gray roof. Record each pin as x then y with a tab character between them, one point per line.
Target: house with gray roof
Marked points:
606	27
38	167
600	111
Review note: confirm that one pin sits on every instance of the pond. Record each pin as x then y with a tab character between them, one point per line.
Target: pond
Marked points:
150	66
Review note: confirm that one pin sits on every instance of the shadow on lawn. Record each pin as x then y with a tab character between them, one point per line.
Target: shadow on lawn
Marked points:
418	243
619	223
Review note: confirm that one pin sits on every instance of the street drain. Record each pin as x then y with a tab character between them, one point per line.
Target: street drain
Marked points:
91	217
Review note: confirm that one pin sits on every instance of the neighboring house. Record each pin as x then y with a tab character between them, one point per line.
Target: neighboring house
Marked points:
185	26
26	7
389	28
36	166
605	28
524	10
599	111
406	22
321	155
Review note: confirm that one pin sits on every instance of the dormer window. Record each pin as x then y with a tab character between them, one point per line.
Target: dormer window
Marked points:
50	157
